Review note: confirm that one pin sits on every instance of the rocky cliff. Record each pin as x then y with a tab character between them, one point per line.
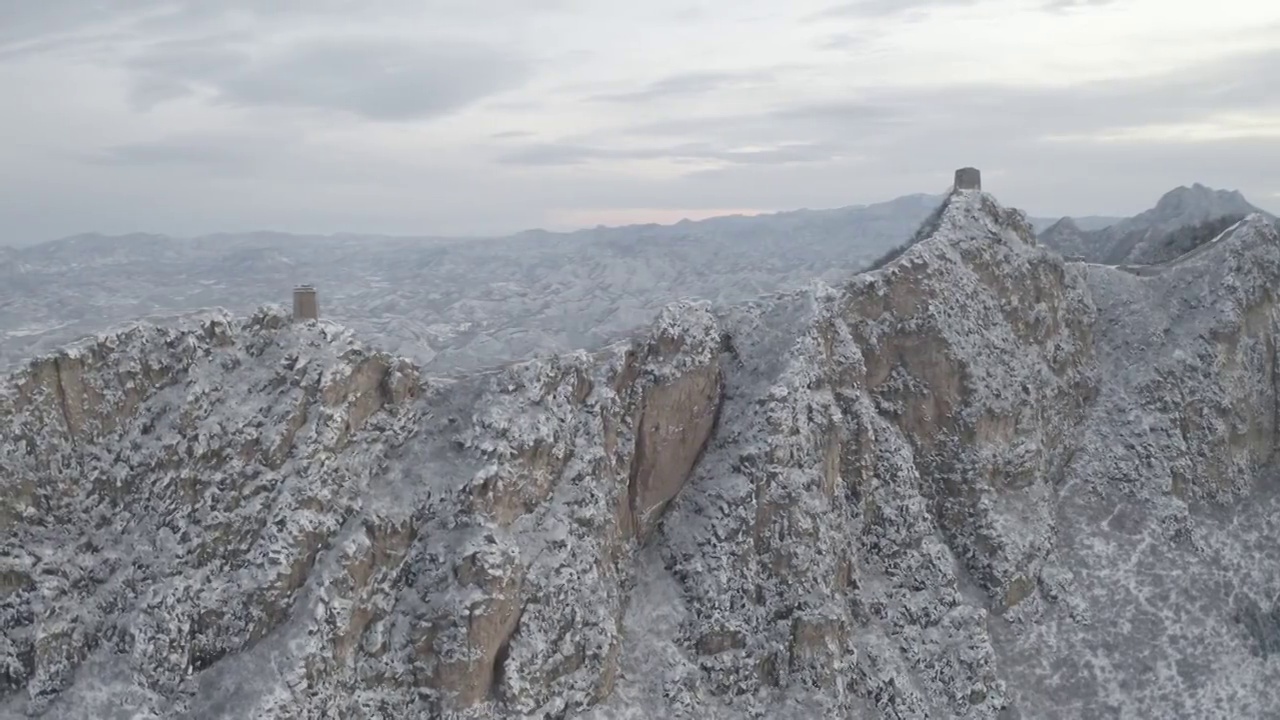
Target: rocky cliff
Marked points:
978	482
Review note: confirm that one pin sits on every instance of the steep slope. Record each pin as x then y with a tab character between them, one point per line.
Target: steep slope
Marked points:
256	519
1183	218
979	482
170	488
1168	512
881	481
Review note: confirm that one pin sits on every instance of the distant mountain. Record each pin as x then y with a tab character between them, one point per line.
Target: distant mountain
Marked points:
455	304
1182	219
1067	237
449	304
1096	222
1088	222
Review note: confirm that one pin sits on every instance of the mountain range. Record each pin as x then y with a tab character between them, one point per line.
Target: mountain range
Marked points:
1182	219
979	481
449	304
457	305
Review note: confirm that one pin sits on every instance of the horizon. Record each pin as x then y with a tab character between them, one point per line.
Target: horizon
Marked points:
568	230
467	119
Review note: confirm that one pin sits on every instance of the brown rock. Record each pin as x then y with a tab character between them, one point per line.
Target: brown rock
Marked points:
675	425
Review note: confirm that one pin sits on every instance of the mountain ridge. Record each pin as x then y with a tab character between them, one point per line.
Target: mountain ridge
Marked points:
798	214
1152	236
452	306
960	432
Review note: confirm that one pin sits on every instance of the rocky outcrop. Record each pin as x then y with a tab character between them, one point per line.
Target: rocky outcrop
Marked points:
171	488
978	482
850	532
579	457
287	486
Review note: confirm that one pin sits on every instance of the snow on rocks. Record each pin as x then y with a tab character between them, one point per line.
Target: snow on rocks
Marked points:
171	487
927	492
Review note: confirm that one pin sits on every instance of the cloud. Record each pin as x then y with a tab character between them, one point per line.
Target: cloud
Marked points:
842	41
828	120
376	78
26	21
551	154
958	111
1084	148
886	8
233	152
691	83
22	21
165	153
870	9
1065	5
575	105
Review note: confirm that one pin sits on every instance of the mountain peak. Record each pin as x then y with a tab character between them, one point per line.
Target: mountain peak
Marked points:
1064	226
966	216
1201	200
1182	218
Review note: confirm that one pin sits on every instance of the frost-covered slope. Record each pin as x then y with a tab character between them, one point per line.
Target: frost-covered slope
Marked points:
979	482
448	304
165	491
1167	516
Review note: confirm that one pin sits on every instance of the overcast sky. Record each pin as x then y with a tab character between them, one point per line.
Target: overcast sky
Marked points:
489	116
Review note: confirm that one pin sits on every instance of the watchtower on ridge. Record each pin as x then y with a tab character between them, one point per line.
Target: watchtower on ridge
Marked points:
305	305
968	179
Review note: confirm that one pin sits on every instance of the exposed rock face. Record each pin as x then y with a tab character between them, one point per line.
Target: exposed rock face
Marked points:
882	480
167	491
978	482
231	488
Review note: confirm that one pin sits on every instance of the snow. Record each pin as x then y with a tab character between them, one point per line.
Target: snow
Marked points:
450	305
979	480
1145	238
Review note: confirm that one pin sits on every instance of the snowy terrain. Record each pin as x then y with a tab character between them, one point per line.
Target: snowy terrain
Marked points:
448	304
978	482
1183	218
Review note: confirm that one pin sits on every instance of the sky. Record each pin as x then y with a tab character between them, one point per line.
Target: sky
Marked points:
480	117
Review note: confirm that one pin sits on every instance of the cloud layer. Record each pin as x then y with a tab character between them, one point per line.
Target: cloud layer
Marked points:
378	78
451	116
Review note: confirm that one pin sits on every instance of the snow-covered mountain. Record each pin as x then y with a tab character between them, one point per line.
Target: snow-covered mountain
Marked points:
1182	219
977	482
448	304
1087	222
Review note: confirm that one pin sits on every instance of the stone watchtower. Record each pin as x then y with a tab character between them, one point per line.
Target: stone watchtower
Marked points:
305	306
968	179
